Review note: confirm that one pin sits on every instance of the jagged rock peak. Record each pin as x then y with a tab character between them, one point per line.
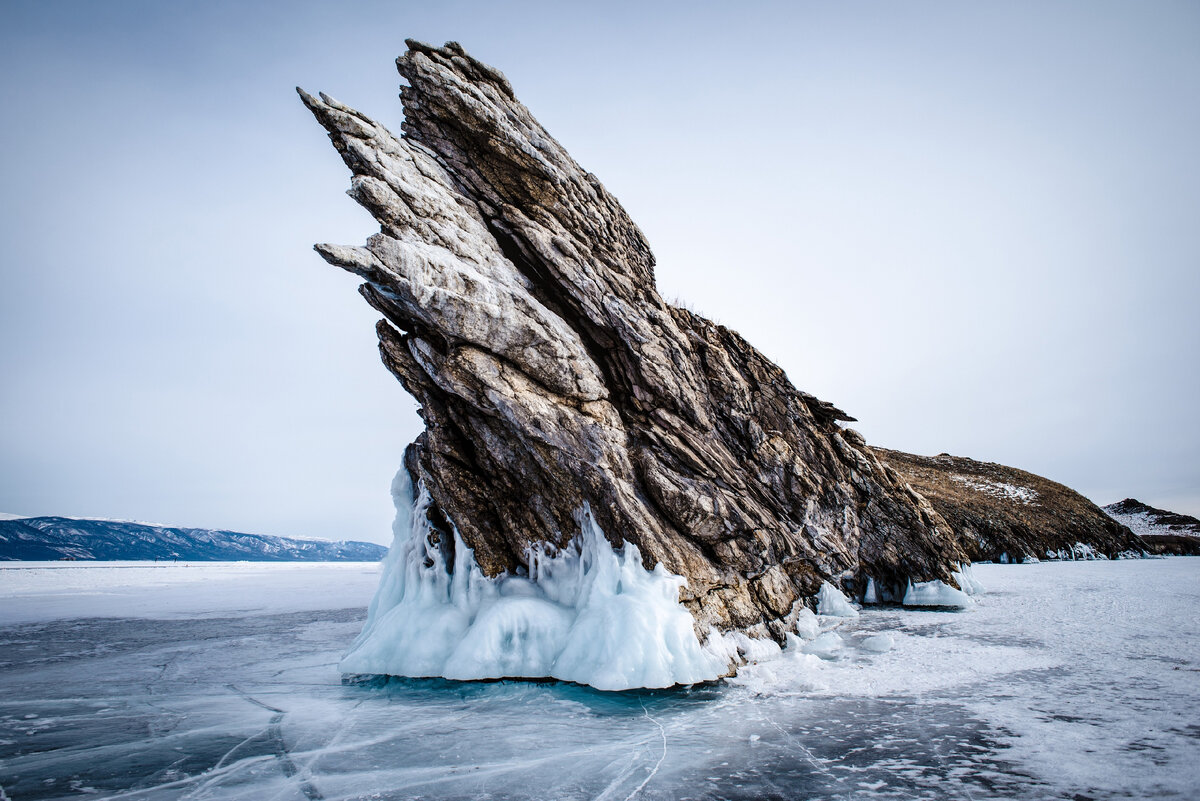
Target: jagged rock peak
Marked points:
520	309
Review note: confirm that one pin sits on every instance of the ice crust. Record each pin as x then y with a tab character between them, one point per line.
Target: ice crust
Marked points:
588	614
1025	697
1078	552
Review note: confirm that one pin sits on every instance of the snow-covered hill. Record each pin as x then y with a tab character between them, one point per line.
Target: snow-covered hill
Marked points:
1145	520
1165	532
50	538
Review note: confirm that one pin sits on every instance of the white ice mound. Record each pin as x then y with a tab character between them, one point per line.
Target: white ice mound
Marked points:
825	646
878	643
807	625
936	593
830	601
587	614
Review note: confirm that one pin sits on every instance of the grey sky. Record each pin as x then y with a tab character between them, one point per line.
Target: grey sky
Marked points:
975	227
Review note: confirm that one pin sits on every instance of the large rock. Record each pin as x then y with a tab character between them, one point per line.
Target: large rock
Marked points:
520	310
1001	512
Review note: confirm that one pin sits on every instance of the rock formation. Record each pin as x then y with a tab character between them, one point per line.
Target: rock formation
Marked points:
520	309
1000	511
1164	532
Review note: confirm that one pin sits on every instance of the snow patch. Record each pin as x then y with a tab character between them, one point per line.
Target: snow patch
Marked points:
1149	523
997	489
587	614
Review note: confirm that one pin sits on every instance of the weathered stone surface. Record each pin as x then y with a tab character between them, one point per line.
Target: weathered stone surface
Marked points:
998	510
520	310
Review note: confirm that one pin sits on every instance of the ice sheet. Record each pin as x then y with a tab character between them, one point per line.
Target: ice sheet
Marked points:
1067	679
41	591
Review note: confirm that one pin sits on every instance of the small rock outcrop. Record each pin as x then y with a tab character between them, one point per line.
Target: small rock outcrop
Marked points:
520	309
1001	512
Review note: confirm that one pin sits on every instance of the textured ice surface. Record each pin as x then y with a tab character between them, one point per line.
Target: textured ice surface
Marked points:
1066	680
588	614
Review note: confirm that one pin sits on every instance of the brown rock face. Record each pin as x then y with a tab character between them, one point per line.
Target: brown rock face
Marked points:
520	310
1002	510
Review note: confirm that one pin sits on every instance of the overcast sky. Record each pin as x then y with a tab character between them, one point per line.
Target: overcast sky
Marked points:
975	227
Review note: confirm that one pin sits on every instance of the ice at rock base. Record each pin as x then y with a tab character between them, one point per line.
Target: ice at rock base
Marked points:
831	602
588	614
936	593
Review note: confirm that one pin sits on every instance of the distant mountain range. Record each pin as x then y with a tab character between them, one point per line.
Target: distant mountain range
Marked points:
54	538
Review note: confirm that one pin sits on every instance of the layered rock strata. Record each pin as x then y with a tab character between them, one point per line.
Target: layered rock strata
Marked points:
520	309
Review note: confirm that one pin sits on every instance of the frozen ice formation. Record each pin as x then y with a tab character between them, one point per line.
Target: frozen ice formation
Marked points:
878	643
585	613
520	309
825	645
831	602
936	593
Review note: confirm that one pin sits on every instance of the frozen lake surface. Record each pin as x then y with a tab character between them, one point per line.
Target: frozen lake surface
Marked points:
1068	681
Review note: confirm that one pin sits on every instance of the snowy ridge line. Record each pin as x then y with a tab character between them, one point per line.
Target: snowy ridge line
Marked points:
586	613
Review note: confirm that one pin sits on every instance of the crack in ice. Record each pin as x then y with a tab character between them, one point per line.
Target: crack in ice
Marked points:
663	733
